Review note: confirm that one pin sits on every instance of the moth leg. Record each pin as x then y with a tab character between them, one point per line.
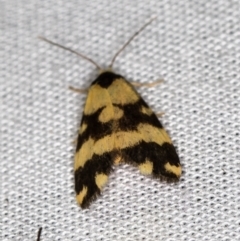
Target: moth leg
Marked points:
74	142
81	91
149	85
160	114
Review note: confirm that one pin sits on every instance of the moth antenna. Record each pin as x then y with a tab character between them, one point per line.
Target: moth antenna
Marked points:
128	42
70	50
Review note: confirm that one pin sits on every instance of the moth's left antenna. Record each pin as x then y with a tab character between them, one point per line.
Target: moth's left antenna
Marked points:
70	50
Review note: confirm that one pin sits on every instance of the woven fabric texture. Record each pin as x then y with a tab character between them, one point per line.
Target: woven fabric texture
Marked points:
193	45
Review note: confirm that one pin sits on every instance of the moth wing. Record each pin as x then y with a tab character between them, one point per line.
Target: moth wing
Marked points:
149	146
154	156
93	162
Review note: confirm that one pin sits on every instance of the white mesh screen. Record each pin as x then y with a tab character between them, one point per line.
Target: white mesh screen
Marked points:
193	45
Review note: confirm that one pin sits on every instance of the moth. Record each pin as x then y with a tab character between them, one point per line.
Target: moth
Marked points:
118	127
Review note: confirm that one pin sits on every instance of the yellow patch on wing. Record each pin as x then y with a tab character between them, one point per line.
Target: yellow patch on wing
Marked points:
119	92
150	133
82	128
117	160
118	113
118	141
91	147
81	195
97	98
177	170
85	153
101	180
110	112
146	167
146	111
122	93
105	144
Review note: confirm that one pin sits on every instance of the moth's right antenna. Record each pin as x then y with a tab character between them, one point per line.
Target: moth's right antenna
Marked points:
127	43
70	50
